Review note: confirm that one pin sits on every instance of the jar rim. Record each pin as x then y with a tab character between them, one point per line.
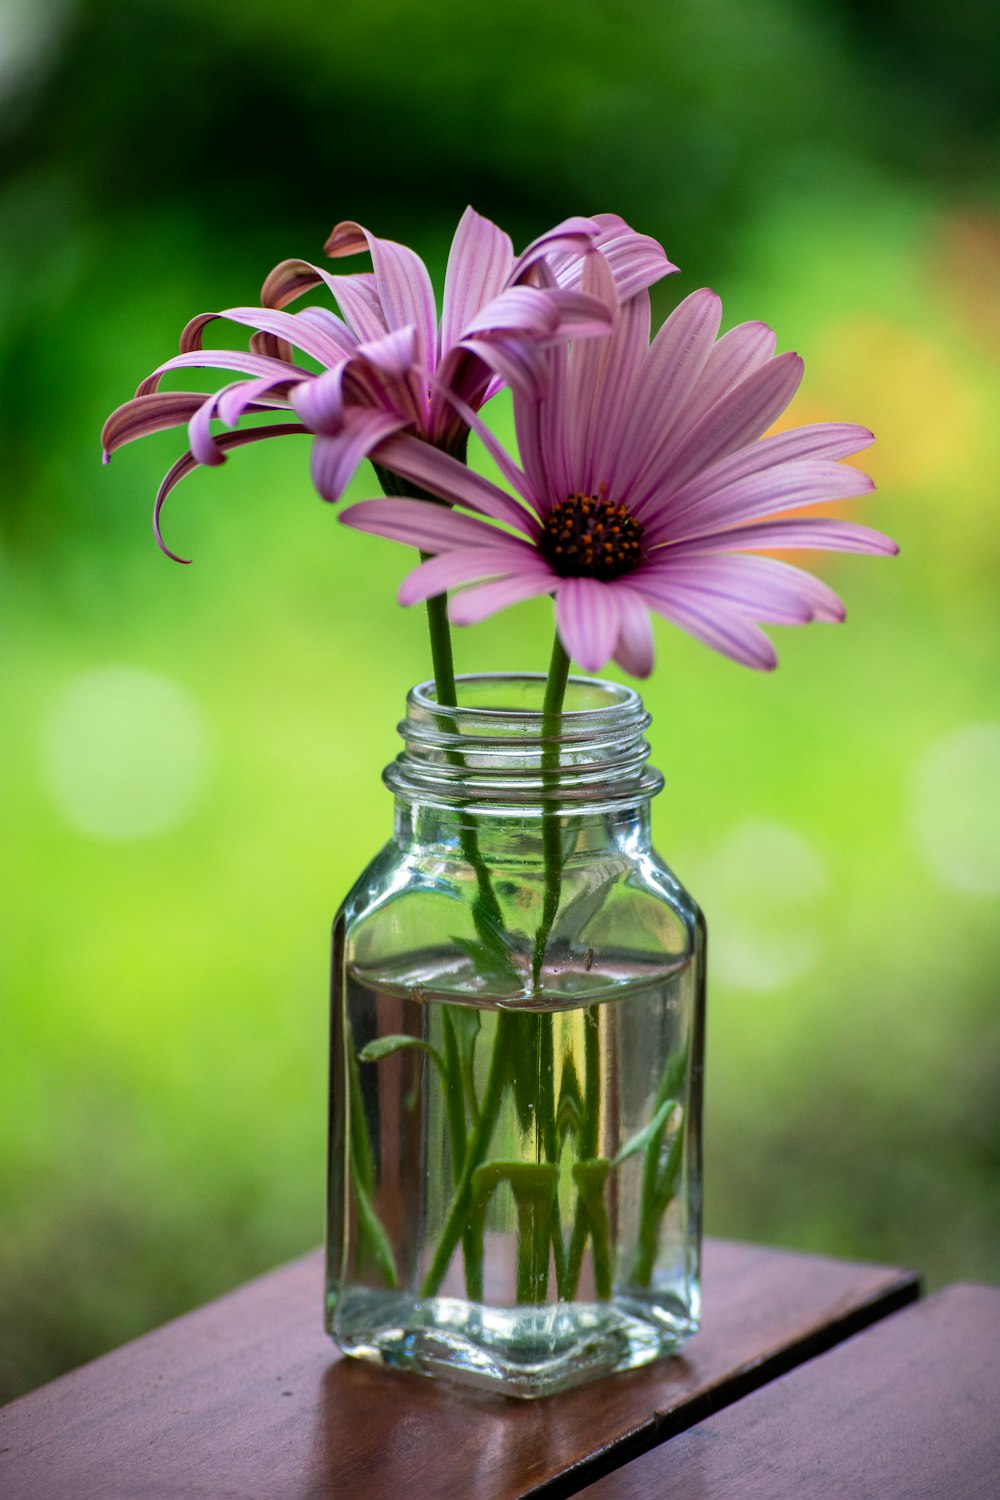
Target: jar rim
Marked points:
613	700
590	755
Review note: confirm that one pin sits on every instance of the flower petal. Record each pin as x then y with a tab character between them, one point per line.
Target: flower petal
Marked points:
476	603
736	582
625	353
634	652
478	266
187	463
449	570
444	475
828	440
738	418
806	532
588	620
145	414
572	236
334	458
328	344
735	356
404	287
586	382
636	260
222	359
726	630
419	523
672	365
811	481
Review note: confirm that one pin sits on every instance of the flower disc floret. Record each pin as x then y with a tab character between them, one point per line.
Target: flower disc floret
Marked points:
589	536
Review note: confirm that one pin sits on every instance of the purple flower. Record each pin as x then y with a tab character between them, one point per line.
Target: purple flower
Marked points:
387	367
645	483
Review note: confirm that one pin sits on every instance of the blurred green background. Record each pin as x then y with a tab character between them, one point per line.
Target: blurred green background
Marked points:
191	757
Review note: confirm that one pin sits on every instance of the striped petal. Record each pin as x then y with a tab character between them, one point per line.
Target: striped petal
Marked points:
446	476
334	459
787	487
450	570
588	621
187	463
636	260
740	417
673	363
804	532
145	414
634	652
419	523
401	279
736	355
484	599
726	630
222	359
731	582
829	440
478	266
328	344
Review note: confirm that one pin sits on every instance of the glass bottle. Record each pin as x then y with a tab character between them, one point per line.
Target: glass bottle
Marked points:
516	1063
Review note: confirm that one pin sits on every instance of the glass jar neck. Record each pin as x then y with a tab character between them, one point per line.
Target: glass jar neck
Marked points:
498	754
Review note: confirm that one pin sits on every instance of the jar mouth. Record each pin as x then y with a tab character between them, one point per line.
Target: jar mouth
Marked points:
499	748
513	703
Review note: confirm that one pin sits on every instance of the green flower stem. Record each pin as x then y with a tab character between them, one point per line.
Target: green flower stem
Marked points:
454	1091
501	1063
486	910
362	1159
587	1219
658	1184
555	693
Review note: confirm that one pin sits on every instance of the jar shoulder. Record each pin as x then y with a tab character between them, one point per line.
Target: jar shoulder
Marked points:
619	911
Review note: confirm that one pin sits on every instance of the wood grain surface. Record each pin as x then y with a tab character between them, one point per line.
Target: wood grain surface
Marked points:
247	1399
908	1410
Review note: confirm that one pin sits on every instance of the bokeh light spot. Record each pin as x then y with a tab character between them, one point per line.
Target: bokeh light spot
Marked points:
124	753
953	808
761	887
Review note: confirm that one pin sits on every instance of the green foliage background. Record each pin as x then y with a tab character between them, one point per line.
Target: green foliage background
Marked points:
162	1071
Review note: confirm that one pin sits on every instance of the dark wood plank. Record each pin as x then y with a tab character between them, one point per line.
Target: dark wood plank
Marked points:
908	1410
248	1398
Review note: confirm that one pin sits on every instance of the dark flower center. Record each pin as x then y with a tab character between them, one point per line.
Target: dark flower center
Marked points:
587	536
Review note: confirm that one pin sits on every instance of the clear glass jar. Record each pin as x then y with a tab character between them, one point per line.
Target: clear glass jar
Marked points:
517	1039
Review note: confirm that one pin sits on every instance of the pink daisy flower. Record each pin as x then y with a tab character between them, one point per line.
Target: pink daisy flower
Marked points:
387	367
646	486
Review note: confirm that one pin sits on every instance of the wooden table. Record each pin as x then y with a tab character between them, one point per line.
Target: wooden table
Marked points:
246	1399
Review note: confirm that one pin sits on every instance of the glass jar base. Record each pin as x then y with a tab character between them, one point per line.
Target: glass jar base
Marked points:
516	1351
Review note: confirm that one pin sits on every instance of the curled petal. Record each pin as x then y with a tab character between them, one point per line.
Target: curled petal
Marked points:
223	359
636	260
404	287
187	463
145	414
572	237
328	344
334	459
